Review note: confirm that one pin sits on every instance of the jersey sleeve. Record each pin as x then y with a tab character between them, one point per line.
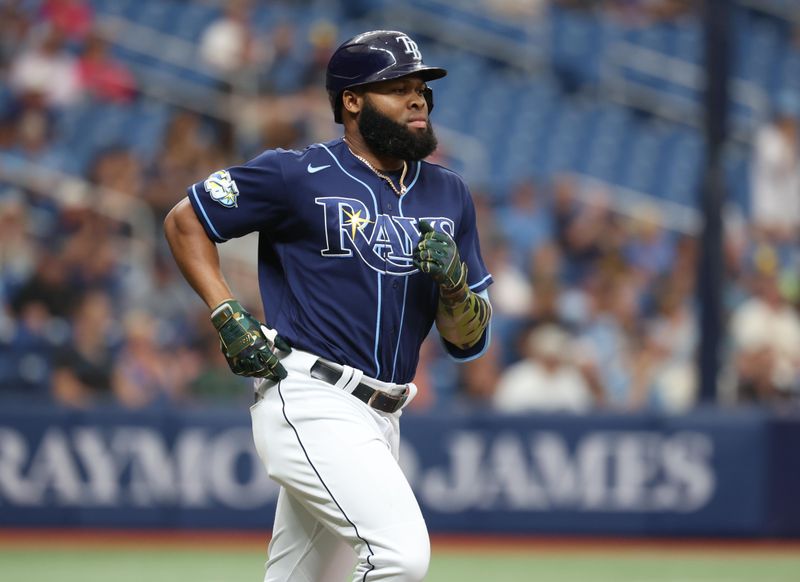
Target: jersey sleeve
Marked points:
241	199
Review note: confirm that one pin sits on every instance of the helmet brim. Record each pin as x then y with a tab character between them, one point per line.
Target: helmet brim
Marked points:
425	72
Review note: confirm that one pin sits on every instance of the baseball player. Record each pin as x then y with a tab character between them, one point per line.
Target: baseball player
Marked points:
362	247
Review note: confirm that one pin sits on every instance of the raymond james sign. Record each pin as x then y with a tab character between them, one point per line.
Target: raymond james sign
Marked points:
505	474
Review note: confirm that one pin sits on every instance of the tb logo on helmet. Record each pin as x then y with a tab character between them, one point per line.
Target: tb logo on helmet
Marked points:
411	47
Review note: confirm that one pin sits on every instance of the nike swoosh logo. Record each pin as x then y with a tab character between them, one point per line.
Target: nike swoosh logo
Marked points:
314	169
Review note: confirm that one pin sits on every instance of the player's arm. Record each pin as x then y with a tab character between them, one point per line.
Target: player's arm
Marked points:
196	255
243	342
462	315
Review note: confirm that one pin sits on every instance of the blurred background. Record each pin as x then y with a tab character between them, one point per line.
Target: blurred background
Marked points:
644	372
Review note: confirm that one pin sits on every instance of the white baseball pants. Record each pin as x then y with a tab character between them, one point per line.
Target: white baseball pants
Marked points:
344	508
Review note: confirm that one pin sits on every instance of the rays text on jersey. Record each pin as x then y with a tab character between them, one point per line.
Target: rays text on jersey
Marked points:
384	242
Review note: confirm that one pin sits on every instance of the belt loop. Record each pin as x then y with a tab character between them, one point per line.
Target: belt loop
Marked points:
344	379
412	392
354	381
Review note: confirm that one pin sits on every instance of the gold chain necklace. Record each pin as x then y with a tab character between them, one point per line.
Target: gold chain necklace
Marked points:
402	189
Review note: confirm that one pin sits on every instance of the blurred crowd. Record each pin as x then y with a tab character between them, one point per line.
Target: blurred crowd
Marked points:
593	308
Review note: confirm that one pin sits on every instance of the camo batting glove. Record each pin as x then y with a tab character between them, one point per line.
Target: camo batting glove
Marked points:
436	254
462	316
244	345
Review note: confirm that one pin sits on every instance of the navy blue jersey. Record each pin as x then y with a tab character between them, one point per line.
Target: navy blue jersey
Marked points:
334	251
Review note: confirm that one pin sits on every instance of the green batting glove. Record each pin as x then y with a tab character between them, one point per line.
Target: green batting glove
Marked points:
244	345
436	254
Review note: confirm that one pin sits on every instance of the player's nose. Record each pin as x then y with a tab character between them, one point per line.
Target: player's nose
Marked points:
418	100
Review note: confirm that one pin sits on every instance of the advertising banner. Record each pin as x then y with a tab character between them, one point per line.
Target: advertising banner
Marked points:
707	473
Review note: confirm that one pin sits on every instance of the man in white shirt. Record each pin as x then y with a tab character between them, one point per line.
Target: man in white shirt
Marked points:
775	177
546	380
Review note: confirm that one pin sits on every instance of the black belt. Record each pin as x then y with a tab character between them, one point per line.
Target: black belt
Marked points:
377	399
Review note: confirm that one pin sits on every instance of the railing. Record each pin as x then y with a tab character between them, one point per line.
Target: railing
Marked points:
640	206
689	77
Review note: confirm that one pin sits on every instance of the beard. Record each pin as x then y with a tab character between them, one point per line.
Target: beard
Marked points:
387	138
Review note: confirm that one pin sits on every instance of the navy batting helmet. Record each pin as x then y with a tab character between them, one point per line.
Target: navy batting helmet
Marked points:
378	55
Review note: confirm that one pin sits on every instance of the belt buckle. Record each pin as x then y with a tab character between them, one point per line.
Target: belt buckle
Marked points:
399	400
372	397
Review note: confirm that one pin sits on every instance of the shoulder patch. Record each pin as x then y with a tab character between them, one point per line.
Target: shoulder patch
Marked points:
222	188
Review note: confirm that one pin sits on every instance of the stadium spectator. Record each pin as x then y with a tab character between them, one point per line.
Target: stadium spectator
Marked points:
145	373
546	380
526	219
162	294
8	131
512	293
15	26
322	37
231	49
606	344
648	250
32	128
83	367
664	376
529	11
775	175
188	150
287	69
29	324
18	247
546	307
47	69
72	18
90	251
589	234
102	76
119	169
48	288
765	331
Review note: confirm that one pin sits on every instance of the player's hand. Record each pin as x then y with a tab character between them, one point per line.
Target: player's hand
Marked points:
244	345
437	255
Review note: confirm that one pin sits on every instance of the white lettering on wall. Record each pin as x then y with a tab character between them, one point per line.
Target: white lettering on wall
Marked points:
605	471
13	455
618	471
132	466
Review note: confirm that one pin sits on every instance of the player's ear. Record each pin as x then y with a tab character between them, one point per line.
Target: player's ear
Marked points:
352	101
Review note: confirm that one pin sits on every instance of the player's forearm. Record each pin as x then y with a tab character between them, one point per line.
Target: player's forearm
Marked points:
195	254
462	316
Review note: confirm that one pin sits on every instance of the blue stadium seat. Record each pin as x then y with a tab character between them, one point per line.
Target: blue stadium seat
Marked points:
636	169
679	168
194	19
115	7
